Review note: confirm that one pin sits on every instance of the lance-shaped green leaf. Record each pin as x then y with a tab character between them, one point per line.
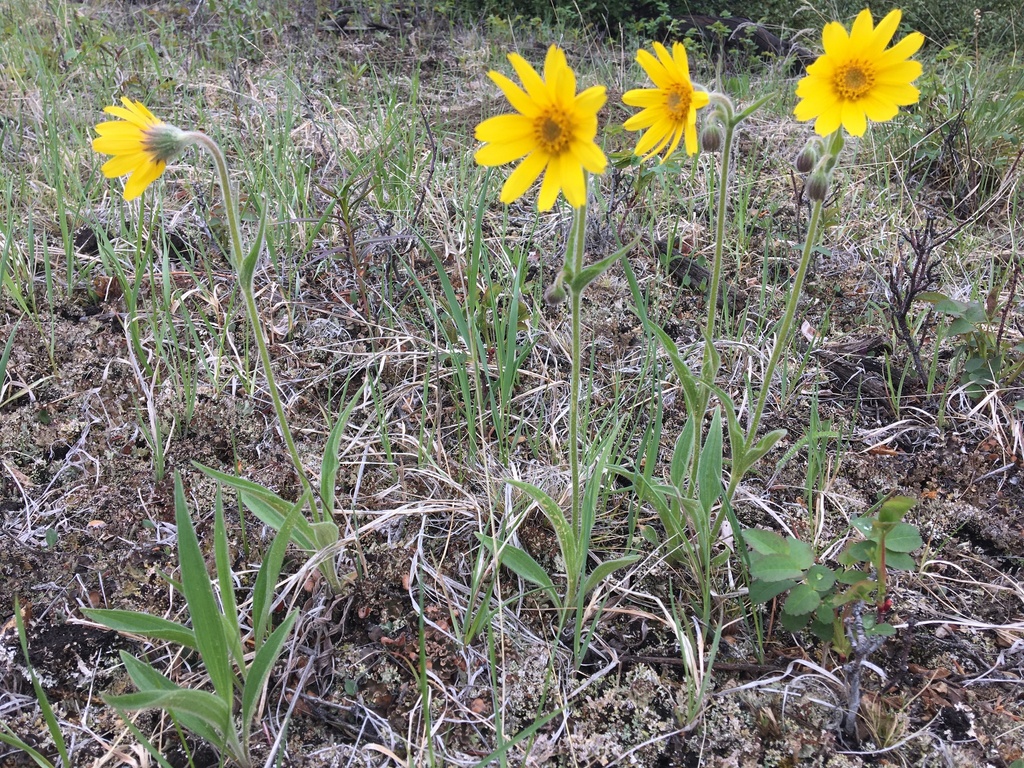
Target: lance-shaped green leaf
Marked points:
202	606
521	563
136	623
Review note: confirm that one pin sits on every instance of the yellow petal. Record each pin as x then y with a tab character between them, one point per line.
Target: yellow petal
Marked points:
530	79
828	122
142	178
834	40
643	97
654	69
885	30
592	99
642	120
123	164
551	185
854	120
879	110
504	152
504	128
590	156
523	176
516	96
904	49
573	182
863	25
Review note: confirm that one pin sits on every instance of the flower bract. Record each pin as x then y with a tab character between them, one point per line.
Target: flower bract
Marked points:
552	131
140	144
857	78
669	110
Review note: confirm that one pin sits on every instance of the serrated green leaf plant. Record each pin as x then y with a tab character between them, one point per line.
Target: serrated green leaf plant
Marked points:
819	596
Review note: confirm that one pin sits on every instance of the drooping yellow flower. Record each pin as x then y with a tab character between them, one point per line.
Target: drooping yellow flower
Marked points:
857	79
140	144
553	132
669	110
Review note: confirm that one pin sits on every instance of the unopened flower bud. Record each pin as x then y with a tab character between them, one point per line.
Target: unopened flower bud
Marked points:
817	187
555	294
711	138
807	158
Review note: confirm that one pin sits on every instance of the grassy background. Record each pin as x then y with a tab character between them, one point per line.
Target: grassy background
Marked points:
353	128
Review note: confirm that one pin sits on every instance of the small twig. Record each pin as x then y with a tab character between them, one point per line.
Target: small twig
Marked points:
863	646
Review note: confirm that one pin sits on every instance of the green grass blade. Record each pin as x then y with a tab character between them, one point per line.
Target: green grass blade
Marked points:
44	704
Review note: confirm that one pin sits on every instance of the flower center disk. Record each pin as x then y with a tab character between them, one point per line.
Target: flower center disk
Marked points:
553	130
677	102
853	80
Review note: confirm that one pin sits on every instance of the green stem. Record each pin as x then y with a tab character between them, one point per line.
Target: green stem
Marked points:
574	258
782	336
245	268
716	267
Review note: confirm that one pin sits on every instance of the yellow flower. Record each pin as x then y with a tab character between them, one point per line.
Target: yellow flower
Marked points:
857	79
553	132
670	108
140	144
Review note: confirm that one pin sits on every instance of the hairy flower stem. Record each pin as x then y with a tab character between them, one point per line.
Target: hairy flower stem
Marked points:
716	267
786	325
245	266
574	259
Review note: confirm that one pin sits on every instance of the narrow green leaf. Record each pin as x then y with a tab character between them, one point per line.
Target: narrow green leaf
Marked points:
590	273
555	516
523	565
226	584
266	577
201	706
604	570
10	738
679	470
52	725
143	624
274	516
331	462
146	678
202	607
709	465
260	669
764	445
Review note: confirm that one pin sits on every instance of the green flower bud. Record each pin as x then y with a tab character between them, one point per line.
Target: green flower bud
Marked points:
817	187
711	138
808	158
555	295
